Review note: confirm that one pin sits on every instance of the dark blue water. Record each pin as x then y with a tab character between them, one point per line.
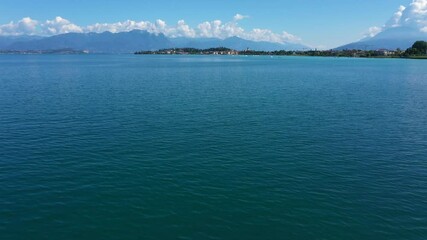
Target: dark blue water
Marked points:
177	147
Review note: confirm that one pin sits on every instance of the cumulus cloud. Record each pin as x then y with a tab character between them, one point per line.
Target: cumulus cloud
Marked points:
270	36
125	26
59	25
23	26
208	29
218	29
183	30
419	7
29	26
413	16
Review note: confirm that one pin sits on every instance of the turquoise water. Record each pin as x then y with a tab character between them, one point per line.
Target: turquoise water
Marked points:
177	147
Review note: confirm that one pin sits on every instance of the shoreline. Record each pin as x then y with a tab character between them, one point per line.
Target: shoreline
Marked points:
310	53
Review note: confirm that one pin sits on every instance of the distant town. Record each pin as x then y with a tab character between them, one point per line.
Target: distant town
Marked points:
417	51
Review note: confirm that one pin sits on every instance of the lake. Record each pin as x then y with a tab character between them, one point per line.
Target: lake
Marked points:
212	147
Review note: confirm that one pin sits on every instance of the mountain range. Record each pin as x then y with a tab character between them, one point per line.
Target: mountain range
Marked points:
7	41
391	39
129	42
139	40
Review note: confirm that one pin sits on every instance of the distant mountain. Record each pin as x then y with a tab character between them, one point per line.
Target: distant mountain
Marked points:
106	42
6	41
235	43
129	42
392	38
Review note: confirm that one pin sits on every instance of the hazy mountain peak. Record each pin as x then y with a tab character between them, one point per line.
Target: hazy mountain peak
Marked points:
392	38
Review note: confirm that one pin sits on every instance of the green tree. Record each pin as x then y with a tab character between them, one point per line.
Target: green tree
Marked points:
418	48
421	46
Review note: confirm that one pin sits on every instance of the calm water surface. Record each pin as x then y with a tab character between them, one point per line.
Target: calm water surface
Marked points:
177	147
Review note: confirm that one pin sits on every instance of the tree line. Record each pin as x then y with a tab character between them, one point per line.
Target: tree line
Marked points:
418	50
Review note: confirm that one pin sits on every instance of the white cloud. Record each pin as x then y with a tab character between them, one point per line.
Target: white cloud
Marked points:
397	16
27	25
183	30
23	26
373	31
59	25
269	36
208	29
221	30
217	29
125	26
239	17
413	16
419	7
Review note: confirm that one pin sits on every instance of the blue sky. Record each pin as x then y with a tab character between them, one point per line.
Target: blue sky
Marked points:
326	23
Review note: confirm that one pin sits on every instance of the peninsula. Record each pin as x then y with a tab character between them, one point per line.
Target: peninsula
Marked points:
417	51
